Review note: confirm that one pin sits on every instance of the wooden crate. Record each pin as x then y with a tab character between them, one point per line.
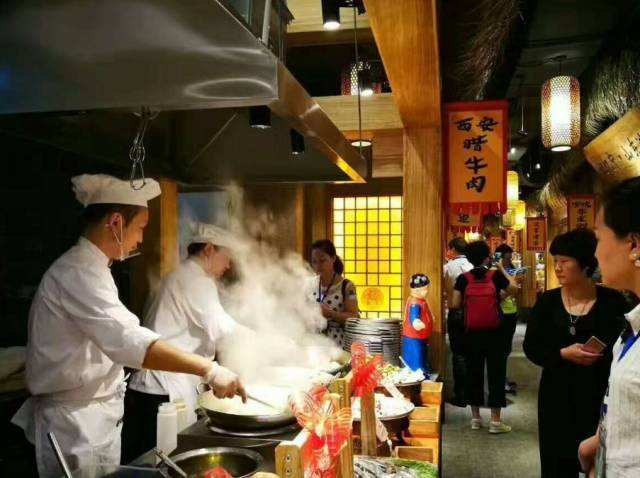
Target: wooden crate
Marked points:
431	393
420	453
425	422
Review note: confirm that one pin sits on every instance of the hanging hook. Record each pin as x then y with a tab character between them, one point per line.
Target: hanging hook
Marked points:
137	152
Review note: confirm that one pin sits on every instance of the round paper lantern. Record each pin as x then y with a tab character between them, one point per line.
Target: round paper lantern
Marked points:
560	98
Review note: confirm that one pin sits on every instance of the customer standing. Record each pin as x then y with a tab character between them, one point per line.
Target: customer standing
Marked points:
458	265
618	230
335	294
509	307
573	379
478	293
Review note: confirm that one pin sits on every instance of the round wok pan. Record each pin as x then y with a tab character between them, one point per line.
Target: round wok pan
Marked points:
228	421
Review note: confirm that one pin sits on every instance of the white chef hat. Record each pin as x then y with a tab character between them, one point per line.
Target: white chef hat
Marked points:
103	189
202	232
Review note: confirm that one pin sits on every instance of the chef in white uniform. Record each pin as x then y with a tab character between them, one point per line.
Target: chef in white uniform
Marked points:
81	335
187	312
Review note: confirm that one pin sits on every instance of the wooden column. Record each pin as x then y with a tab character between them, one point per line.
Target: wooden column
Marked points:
159	249
423	224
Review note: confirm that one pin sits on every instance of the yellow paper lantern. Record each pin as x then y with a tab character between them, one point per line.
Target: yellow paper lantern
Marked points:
513	185
560	98
520	215
509	218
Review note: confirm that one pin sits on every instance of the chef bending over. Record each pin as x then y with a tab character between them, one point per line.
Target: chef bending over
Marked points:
81	335
186	311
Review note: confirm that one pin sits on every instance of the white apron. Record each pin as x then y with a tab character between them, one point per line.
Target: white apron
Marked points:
88	431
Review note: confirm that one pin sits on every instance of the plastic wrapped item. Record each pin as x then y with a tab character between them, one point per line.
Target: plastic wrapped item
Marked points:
376	468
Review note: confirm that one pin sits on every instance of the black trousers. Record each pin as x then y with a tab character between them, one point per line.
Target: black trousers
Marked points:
559	467
509	323
139	423
486	348
456	330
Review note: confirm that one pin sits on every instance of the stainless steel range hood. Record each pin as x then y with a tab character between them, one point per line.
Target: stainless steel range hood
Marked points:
113	57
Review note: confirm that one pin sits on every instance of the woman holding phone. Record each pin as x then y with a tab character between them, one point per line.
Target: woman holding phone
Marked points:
574	375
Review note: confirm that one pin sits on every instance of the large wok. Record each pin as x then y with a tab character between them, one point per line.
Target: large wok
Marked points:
228	421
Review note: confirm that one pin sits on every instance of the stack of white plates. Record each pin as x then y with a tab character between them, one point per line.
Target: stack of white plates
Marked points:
382	336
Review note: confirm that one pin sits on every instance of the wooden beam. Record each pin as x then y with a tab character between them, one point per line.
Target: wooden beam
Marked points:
423	226
387	148
160	253
324	37
379	112
407	37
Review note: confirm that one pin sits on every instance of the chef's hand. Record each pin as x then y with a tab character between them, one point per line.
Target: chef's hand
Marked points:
419	325
327	312
575	353
224	383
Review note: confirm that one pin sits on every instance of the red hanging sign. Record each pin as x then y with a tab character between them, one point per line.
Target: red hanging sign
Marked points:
581	211
536	234
475	147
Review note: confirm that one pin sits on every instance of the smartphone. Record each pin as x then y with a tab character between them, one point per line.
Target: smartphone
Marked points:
594	345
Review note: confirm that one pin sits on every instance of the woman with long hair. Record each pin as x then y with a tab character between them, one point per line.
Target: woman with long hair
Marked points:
574	376
335	294
618	437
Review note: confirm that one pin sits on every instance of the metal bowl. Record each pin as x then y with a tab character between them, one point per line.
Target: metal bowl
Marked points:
240	463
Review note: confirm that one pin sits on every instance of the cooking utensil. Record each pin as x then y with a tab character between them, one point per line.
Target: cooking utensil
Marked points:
239	462
169	462
262	402
59	455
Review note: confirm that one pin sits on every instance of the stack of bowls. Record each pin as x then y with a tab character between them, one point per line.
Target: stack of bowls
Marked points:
382	336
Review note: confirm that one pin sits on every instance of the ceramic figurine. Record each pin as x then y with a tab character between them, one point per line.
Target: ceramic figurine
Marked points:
418	324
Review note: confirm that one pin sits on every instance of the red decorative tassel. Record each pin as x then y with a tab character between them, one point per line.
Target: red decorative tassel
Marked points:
329	426
367	370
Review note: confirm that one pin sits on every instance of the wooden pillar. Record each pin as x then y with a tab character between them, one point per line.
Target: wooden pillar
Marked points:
423	224
159	249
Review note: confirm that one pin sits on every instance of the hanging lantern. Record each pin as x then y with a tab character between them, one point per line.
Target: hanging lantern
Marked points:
520	218
513	193
561	113
509	217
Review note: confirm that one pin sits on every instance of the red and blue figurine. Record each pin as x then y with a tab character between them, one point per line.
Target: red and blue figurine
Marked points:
418	325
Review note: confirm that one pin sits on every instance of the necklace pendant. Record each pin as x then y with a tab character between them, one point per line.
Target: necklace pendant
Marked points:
572	330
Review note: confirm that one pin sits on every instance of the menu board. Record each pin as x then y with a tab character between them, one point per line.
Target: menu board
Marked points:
536	234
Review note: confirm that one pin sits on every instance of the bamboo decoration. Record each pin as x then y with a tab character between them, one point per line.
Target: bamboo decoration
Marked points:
368	424
342	386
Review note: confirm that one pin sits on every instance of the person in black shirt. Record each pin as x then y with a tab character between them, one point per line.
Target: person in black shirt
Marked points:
485	346
573	380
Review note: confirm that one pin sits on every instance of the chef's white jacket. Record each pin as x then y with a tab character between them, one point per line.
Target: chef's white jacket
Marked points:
80	336
187	312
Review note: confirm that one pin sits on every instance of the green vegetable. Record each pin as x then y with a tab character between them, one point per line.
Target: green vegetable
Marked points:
424	469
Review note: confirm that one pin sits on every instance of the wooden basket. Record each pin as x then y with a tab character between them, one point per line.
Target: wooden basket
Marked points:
420	453
431	393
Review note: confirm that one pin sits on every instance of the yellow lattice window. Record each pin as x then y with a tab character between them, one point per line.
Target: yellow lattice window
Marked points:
367	232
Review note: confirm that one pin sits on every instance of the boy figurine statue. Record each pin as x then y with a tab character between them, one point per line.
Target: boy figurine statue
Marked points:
418	324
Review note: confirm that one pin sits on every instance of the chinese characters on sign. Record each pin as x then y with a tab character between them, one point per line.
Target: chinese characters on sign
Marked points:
581	212
465	221
536	234
476	140
615	154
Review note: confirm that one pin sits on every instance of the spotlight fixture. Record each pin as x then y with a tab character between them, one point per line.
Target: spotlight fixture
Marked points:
330	14
297	143
538	166
361	143
513	150
260	117
331	11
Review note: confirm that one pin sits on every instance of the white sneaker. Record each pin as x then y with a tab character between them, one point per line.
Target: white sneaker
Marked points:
499	427
476	423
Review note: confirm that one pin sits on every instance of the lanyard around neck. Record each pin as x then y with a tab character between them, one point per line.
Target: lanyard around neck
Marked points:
322	295
628	344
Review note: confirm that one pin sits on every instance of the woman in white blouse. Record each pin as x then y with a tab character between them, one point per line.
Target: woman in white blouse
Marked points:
335	294
614	451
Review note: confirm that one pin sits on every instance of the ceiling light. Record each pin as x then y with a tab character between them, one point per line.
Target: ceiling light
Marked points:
560	98
513	150
260	117
361	143
513	185
538	166
330	14
297	143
